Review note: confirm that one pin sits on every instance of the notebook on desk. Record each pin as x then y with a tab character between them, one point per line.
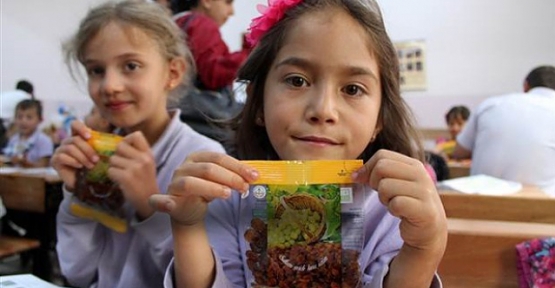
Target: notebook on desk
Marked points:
24	281
481	184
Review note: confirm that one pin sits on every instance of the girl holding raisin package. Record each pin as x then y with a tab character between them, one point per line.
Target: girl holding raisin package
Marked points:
134	56
323	83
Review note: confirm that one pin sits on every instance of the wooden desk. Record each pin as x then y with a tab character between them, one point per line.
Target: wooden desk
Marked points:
528	205
458	168
482	253
35	198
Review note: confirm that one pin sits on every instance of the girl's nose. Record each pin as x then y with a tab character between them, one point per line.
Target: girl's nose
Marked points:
322	107
112	83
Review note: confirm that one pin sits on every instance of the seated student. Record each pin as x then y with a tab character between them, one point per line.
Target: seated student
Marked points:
216	66
29	147
512	137
456	119
321	85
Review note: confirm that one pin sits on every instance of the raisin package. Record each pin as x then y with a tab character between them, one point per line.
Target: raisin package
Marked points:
307	227
99	197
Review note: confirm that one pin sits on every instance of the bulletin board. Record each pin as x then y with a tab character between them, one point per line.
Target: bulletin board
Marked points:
412	64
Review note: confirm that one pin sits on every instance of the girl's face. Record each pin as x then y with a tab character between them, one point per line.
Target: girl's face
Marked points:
455	124
128	78
218	10
322	95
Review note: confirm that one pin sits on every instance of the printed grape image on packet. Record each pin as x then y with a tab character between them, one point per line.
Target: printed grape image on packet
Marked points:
306	228
99	197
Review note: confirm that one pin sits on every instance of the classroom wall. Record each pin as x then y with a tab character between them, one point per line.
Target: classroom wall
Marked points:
475	48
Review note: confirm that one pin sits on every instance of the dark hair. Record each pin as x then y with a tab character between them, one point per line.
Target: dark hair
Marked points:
543	76
397	133
29	104
460	111
25	86
178	6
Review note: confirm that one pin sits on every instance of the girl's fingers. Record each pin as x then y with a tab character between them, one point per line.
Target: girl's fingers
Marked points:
80	150
193	186
389	168
79	128
162	202
247	173
136	140
66	160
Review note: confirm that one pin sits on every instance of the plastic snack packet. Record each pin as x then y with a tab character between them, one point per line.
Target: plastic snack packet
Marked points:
306	228
99	197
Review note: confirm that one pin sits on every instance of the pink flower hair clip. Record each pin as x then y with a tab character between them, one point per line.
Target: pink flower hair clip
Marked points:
271	14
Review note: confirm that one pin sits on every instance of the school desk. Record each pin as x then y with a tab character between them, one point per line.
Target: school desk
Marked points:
482	253
458	168
37	197
528	205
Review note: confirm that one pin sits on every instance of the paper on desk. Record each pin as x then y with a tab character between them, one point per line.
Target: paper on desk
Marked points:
47	171
24	281
481	184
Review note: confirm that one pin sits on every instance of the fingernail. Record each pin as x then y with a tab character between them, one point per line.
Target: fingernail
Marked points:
170	205
354	175
245	194
95	158
227	192
254	174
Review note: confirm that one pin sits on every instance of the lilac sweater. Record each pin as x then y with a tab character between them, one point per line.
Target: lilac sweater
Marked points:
92	255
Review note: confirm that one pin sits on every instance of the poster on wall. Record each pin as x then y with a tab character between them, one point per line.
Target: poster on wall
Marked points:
412	64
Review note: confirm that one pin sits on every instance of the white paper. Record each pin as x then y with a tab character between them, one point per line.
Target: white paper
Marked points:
481	184
47	171
24	281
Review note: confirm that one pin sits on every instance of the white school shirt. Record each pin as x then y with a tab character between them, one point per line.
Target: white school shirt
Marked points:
512	137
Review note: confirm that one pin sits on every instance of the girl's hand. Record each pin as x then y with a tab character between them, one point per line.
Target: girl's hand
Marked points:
133	167
203	177
74	153
405	188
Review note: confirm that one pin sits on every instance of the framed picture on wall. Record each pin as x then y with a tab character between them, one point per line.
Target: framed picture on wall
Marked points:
412	64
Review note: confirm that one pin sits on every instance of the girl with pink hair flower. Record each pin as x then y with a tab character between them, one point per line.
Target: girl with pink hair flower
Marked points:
322	84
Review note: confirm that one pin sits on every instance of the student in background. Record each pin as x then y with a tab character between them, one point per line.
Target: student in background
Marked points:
29	147
134	56
322	84
455	119
9	99
201	20
512	136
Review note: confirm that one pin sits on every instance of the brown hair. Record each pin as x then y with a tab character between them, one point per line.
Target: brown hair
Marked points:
148	17
30	104
397	133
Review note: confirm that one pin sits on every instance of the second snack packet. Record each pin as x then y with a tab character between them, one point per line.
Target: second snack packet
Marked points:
99	197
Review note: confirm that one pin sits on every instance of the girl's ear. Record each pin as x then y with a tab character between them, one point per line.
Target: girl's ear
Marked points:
205	4
177	69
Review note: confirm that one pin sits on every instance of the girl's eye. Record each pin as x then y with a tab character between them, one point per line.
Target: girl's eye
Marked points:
353	90
95	71
296	81
131	66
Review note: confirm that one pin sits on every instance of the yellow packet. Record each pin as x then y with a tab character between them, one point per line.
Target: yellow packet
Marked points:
100	198
306	228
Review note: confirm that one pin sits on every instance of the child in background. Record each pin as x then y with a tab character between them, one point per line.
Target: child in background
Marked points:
201	22
96	122
29	147
455	119
134	56
323	83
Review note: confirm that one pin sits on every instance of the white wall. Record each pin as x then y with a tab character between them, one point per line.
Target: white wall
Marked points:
475	48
